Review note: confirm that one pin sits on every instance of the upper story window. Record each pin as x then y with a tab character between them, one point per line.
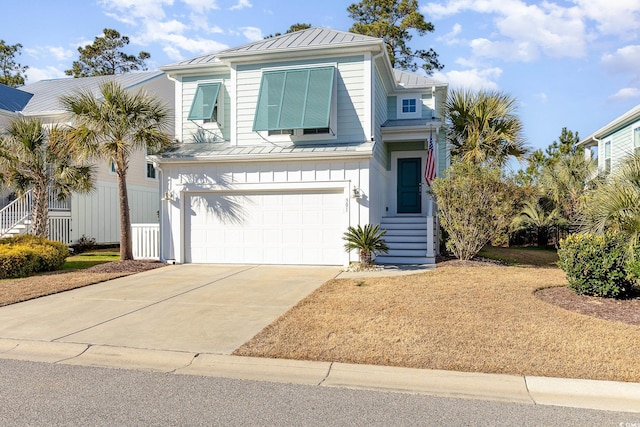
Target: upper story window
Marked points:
296	102
409	106
636	140
607	156
205	104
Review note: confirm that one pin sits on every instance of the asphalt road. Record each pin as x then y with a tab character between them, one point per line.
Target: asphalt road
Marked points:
50	394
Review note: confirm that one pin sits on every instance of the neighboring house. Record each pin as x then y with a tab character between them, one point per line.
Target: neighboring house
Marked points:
11	102
95	215
289	140
615	140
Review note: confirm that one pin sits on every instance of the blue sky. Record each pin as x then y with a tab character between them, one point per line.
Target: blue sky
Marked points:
573	63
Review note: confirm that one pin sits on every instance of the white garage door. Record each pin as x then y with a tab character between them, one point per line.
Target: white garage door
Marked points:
265	227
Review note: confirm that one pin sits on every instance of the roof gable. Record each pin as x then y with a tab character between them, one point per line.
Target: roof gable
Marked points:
47	93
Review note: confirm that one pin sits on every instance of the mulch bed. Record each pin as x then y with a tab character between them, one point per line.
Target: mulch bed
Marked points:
621	310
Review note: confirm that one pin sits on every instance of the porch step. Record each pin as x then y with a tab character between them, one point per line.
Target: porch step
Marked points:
411	219
397	246
406	237
410	237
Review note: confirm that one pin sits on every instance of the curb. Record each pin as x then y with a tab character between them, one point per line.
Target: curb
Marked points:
578	393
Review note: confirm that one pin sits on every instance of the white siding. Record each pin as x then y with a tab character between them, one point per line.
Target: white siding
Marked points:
97	214
306	175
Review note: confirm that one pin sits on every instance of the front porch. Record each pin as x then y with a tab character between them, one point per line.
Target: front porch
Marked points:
15	217
412	239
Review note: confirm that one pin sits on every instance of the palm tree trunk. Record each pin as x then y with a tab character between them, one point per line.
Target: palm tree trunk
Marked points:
40	213
126	246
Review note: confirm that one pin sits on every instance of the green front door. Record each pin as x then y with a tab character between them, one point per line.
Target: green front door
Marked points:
409	197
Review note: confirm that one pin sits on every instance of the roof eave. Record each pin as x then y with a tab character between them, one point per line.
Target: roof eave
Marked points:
622	121
362	154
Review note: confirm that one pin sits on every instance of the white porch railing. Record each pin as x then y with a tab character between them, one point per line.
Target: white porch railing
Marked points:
146	241
15	213
57	205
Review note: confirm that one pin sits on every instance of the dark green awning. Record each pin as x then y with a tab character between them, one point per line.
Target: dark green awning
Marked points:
294	99
204	101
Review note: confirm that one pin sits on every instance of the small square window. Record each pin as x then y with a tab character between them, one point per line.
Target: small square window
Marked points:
409	105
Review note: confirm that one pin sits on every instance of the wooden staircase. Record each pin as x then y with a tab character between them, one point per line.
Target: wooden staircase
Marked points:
408	240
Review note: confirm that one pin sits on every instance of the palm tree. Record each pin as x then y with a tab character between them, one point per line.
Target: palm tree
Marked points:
112	127
615	203
33	157
483	127
534	216
368	240
566	182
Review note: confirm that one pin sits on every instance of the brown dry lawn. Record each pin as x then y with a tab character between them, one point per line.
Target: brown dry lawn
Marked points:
458	317
17	290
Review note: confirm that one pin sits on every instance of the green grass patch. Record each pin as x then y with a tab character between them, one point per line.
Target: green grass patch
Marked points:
91	258
522	256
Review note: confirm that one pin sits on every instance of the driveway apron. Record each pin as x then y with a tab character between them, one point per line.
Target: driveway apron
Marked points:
193	308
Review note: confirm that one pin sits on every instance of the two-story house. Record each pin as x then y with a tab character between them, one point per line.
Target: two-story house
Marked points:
287	141
94	215
615	140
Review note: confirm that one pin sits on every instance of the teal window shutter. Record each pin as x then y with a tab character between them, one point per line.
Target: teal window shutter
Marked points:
294	99
204	101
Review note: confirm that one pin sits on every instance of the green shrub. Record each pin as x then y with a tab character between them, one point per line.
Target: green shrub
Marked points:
596	265
24	255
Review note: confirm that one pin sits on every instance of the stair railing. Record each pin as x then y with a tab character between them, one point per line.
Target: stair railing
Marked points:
15	213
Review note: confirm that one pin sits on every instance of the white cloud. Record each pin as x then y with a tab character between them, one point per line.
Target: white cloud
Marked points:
543	97
201	6
452	37
241	5
626	93
173	53
252	33
35	74
624	60
474	79
128	9
57	52
60	53
524	31
618	17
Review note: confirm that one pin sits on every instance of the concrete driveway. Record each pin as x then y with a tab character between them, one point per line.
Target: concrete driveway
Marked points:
191	308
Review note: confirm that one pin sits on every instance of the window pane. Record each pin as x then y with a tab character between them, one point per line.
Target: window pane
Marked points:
636	137
607	149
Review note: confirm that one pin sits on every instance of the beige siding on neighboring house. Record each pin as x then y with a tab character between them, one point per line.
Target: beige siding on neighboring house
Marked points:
96	215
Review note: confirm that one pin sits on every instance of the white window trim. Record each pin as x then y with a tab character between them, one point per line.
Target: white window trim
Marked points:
146	175
606	157
298	135
417	114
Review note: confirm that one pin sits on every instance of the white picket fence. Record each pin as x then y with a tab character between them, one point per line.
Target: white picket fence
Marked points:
146	241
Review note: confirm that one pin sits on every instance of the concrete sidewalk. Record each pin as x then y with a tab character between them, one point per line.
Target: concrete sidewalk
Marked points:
588	394
187	319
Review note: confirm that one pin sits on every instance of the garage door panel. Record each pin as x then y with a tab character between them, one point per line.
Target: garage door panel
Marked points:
265	228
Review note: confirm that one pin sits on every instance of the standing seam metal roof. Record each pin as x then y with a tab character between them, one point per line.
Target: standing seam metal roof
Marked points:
309	38
47	93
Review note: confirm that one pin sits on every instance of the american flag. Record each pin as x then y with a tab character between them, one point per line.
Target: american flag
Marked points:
430	167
